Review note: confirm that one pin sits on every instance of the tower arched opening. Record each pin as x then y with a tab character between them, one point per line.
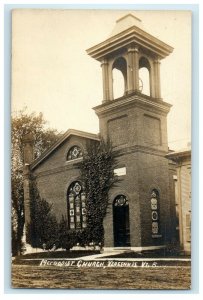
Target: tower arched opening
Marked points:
119	75
144	76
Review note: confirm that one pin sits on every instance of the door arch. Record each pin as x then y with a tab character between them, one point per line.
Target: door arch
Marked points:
121	224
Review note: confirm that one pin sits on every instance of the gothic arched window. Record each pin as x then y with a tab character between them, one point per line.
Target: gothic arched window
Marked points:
76	199
155	212
74	152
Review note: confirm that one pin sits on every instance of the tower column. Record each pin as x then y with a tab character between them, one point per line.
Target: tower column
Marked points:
28	155
105	76
157	83
133	69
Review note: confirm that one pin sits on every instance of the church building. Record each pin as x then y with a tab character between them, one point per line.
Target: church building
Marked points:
141	211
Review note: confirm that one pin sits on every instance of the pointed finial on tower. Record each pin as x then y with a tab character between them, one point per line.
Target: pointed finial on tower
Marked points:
126	22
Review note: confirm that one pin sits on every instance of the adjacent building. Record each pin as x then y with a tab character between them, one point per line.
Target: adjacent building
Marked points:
182	183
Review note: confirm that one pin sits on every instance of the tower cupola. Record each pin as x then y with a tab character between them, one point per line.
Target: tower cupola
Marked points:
129	49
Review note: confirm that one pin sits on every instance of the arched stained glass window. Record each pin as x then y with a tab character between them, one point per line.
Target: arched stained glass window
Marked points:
74	152
77	206
155	212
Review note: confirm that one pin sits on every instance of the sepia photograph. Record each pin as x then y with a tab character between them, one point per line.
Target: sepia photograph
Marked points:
101	149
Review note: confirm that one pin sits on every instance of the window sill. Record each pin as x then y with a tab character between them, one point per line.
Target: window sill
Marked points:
73	161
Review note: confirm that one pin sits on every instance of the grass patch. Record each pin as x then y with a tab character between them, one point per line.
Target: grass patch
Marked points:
159	278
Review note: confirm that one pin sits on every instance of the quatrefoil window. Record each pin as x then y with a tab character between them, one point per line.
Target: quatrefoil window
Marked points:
74	153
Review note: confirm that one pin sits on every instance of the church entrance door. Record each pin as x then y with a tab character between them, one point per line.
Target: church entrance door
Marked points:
121	222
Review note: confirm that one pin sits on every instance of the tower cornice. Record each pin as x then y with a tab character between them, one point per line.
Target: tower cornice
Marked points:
134	99
124	39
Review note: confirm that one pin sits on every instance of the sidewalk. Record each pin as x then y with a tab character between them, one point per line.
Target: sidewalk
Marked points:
107	256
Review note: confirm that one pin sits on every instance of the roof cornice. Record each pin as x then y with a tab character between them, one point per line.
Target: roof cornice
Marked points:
66	135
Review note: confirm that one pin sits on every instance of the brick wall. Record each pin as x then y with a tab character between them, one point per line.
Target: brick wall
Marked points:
55	174
135	126
146	169
139	136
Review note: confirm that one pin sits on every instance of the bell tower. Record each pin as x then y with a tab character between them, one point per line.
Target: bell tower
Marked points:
136	124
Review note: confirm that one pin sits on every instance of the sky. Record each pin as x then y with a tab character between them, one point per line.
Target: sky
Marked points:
52	73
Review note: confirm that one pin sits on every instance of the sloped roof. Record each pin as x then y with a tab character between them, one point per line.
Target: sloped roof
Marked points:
64	137
128	31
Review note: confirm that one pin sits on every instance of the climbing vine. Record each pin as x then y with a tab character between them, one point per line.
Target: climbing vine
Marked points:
97	171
